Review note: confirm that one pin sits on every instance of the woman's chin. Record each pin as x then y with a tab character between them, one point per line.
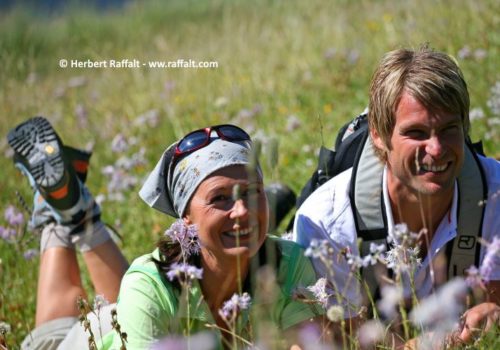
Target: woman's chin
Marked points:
242	249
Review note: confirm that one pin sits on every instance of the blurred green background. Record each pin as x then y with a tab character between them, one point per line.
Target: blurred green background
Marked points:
289	72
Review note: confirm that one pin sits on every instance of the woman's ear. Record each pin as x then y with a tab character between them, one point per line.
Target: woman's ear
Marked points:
187	219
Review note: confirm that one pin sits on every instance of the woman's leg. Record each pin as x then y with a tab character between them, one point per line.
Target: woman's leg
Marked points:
106	265
59	283
58	173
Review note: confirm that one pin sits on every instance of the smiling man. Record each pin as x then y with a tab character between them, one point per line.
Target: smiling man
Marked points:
419	174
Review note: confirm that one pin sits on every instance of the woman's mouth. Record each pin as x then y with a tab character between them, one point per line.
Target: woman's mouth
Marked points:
239	233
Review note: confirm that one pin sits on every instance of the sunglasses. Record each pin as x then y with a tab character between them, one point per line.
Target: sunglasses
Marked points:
198	139
201	138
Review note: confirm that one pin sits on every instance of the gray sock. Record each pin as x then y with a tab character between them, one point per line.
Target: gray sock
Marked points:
55	235
93	234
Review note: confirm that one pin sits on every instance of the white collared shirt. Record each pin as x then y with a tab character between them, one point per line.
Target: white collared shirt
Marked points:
327	215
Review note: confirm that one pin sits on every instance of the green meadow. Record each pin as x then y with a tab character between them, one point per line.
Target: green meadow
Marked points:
289	72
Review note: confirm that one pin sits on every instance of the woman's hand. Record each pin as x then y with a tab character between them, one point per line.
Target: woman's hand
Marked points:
479	319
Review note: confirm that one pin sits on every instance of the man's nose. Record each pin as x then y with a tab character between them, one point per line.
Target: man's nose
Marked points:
434	147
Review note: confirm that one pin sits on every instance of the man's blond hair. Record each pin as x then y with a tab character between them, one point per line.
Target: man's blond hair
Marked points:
433	78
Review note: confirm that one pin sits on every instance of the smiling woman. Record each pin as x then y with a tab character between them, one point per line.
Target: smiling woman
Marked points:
205	275
205	179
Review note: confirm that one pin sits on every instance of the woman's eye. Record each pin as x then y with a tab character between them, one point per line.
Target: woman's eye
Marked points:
219	198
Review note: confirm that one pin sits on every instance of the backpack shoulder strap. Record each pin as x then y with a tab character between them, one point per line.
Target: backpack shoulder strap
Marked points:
472	192
366	193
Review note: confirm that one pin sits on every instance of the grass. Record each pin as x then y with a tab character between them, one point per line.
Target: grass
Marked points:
312	60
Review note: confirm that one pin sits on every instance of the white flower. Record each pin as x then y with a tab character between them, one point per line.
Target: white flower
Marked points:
100	301
391	296
356	261
476	114
335	313
370	333
441	311
4	328
318	249
319	291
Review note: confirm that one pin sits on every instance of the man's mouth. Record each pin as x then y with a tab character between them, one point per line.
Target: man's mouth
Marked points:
434	168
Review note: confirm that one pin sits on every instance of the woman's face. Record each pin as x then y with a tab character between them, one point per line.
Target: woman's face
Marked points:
227	227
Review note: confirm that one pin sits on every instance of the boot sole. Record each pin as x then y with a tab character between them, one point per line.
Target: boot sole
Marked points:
39	150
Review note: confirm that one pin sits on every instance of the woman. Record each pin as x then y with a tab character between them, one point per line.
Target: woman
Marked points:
194	180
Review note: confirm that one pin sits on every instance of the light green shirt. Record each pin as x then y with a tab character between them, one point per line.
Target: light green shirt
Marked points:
150	308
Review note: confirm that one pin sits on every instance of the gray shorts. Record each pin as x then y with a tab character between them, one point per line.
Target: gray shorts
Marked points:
66	333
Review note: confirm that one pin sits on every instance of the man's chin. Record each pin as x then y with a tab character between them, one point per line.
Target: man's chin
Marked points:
435	189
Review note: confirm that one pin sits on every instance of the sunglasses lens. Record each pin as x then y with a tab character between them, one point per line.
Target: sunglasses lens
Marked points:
192	141
233	133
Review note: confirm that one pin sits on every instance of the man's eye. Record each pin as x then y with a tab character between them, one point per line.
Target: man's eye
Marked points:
416	134
451	129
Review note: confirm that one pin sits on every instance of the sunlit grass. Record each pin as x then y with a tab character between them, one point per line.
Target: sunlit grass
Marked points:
277	59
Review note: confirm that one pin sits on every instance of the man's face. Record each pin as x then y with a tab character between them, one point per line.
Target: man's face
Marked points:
426	150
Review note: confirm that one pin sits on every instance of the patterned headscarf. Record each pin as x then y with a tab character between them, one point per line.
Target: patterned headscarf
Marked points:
169	190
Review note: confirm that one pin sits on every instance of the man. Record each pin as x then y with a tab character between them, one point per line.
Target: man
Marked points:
418	123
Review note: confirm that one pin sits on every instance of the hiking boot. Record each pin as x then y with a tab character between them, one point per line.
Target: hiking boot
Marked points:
40	155
38	152
57	174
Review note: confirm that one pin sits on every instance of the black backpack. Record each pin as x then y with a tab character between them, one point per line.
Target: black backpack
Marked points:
333	162
353	150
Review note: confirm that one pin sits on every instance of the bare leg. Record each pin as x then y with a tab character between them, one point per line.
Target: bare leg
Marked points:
106	265
59	285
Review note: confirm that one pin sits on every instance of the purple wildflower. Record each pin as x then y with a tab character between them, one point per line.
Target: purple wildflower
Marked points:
293	123
312	334
352	56
186	236
491	259
474	278
465	52
82	115
233	306
480	54
319	291
77	81
13	217
99	302
7	233
370	333
200	341
30	254
356	261
401	234
150	118
494	100
184	272
391	297
318	249
441	310
119	144
404	253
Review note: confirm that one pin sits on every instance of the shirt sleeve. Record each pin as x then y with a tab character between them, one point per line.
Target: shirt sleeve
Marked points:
325	216
491	221
142	312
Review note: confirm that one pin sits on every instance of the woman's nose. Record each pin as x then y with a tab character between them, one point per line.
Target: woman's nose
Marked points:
239	210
